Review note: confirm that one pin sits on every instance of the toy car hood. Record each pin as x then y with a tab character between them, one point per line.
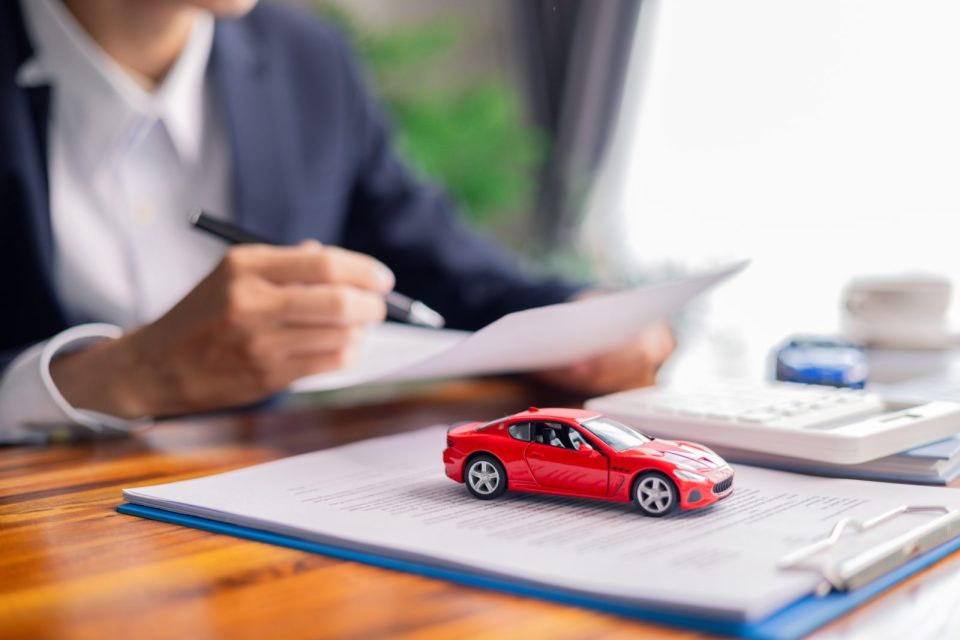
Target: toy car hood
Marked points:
680	452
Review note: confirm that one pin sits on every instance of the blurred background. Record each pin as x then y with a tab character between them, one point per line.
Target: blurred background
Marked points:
510	105
632	139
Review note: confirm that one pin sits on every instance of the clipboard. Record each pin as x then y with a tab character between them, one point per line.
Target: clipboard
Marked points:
846	585
868	564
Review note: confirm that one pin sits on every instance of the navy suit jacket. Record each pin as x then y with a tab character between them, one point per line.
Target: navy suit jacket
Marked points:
312	158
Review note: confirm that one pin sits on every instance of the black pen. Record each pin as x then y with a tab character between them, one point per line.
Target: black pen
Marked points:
399	306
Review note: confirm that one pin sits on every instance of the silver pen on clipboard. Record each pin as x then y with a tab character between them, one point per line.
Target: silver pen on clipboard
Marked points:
867	565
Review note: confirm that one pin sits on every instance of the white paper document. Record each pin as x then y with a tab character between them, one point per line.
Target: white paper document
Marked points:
390	496
530	340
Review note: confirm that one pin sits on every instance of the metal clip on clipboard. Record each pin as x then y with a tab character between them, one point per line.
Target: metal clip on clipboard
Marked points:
854	572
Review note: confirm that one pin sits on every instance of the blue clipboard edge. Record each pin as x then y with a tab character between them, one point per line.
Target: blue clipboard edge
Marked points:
794	621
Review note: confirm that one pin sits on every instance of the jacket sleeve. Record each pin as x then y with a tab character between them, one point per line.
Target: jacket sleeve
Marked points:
7	358
412	227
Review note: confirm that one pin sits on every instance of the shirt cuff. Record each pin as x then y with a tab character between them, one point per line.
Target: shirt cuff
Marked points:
31	406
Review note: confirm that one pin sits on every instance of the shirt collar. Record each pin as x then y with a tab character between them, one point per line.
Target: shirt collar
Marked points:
101	99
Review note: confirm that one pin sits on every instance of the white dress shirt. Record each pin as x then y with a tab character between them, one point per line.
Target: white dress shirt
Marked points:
125	166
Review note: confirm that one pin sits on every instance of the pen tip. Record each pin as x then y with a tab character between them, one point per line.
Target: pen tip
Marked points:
426	316
194	217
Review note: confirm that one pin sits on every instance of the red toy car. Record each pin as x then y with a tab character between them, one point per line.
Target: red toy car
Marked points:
583	454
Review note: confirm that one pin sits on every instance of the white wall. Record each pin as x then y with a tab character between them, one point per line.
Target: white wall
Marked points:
819	137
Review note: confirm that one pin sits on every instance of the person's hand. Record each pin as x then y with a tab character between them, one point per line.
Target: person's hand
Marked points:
263	318
635	364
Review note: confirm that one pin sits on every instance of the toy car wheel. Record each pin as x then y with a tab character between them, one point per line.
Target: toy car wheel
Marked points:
655	494
486	478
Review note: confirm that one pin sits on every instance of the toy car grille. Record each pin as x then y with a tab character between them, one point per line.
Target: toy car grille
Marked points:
723	485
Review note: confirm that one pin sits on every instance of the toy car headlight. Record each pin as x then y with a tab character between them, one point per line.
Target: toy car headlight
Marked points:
689	475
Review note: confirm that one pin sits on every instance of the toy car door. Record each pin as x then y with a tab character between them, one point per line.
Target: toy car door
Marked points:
560	459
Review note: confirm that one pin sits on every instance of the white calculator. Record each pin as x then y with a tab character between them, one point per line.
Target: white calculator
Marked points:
841	426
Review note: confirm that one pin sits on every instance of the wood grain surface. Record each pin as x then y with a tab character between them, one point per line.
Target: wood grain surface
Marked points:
71	567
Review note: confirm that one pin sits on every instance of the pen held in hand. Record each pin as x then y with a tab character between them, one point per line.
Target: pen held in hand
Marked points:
399	306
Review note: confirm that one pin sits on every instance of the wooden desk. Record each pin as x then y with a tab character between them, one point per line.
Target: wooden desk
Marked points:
70	566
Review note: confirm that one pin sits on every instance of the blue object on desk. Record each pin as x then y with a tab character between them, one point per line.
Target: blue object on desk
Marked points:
792	622
820	360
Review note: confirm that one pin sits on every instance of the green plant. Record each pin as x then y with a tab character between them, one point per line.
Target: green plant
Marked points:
468	135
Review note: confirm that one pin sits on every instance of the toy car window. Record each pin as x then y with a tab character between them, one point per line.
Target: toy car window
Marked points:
553	434
576	440
521	431
617	436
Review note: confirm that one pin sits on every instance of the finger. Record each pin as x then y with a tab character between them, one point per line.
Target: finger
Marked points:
658	342
616	373
638	359
339	305
300	366
311	263
285	342
636	365
626	368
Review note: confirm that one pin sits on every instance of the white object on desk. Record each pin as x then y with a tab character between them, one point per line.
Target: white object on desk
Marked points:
839	426
535	339
907	312
923	389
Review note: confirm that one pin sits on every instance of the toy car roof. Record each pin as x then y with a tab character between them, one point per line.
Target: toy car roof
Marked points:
535	413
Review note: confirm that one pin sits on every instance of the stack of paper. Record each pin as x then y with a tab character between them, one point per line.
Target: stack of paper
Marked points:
935	463
389	498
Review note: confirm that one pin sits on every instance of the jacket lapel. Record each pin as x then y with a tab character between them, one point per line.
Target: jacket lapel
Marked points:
260	139
38	105
29	125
